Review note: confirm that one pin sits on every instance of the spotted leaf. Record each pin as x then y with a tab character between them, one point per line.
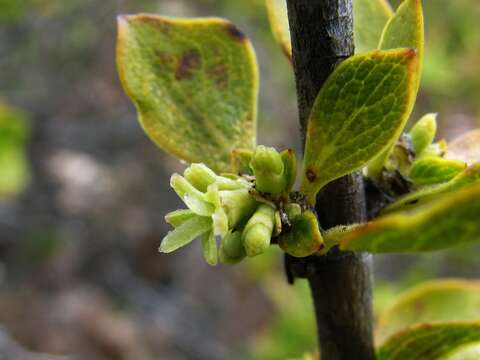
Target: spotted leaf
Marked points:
194	84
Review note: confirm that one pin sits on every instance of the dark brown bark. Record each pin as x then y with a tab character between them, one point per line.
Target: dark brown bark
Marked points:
322	37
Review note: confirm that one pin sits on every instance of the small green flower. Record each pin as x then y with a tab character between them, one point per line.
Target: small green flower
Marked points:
243	212
258	231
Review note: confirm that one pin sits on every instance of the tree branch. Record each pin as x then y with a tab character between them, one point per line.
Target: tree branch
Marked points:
322	37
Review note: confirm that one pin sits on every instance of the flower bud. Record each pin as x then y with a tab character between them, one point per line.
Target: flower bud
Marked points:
239	205
258	231
268	168
423	132
232	250
303	238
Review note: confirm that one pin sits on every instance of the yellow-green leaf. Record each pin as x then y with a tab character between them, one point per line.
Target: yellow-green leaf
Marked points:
469	176
438	300
450	221
369	18
430	341
194	84
405	29
359	112
468	352
466	147
278	17
430	170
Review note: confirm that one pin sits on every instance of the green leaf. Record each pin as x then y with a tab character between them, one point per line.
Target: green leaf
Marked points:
429	341
405	30
469	176
439	300
450	221
468	352
209	248
359	112
430	170
278	17
194	84
466	147
370	18
185	233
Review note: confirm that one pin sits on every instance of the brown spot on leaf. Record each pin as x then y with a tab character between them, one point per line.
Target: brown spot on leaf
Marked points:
165	58
158	22
311	175
219	74
189	62
234	32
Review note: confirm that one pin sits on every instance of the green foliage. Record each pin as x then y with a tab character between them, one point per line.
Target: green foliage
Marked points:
469	176
14	165
435	170
434	301
370	18
405	30
359	112
194	83
430	341
447	222
278	16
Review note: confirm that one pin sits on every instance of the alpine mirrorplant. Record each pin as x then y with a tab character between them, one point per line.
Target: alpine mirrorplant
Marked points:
194	83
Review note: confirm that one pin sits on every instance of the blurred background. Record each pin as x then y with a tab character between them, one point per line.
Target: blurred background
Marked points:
83	193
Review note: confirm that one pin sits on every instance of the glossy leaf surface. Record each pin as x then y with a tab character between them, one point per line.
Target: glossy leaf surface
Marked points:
405	29
278	17
439	300
194	84
429	341
435	170
359	112
450	221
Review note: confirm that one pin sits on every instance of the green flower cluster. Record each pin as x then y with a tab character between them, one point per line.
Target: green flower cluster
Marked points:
420	160
244	210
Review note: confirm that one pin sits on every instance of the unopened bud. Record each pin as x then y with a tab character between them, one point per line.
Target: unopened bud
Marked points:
257	233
